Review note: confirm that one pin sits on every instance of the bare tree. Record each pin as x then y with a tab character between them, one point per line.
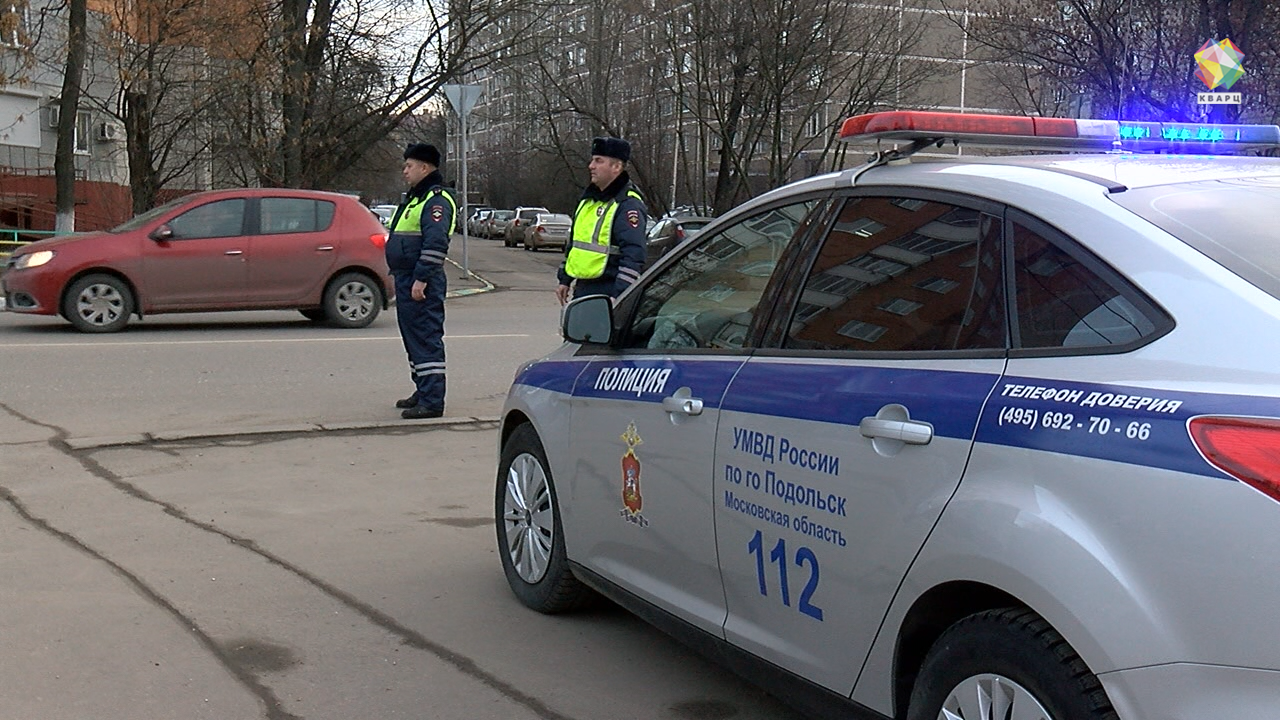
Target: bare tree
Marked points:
1131	60
64	167
766	81
326	80
168	81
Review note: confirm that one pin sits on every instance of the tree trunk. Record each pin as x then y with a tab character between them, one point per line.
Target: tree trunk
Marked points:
293	91
143	179
64	163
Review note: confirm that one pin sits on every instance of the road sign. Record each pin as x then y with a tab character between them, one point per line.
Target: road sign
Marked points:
462	97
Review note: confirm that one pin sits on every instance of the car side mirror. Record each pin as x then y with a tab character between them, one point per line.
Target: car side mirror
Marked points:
588	320
162	233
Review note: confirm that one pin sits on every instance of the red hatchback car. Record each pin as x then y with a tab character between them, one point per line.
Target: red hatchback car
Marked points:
255	249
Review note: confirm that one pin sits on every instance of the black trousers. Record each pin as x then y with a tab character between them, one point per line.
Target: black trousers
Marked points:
422	329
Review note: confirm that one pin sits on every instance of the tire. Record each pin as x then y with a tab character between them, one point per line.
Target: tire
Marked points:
506	241
314	314
352	301
1011	653
530	537
98	304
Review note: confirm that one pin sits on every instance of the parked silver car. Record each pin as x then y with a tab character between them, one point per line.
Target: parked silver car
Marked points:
547	230
966	438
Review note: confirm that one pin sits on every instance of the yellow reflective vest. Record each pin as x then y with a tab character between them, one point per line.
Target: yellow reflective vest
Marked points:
590	248
410	220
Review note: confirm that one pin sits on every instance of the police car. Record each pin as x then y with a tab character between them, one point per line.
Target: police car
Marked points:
978	438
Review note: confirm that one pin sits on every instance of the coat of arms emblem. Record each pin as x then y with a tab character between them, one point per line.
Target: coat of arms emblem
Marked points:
632	500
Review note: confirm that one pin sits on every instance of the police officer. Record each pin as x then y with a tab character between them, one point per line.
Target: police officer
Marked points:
416	251
606	249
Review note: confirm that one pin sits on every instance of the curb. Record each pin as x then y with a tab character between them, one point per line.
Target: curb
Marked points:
297	429
463	292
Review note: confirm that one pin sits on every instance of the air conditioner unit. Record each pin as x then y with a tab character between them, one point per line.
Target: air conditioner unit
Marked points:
53	116
108	132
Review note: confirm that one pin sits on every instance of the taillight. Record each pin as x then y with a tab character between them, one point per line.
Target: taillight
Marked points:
538	229
1245	448
379	240
679	233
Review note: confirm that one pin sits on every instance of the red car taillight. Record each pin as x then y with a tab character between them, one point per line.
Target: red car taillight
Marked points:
379	240
538	229
1245	448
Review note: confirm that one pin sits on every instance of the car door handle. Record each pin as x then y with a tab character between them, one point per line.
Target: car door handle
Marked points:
324	248
910	432
683	402
233	252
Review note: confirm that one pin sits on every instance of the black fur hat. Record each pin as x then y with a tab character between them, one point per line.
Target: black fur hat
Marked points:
423	152
611	147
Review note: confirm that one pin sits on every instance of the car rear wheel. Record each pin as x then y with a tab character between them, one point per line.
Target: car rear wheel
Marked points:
530	537
352	300
1006	663
98	304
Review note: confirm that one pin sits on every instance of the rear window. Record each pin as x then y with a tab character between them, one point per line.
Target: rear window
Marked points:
1232	221
554	219
294	215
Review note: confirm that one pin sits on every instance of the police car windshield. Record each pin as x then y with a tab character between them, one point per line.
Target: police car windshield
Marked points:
1232	221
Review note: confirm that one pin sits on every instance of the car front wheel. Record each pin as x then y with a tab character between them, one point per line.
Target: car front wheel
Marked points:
530	537
1007	663
352	301
98	304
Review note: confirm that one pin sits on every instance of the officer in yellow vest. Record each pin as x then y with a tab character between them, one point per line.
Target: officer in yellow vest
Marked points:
416	250
605	254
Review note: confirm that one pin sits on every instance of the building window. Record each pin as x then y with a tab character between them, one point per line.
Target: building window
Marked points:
864	331
817	122
13	24
901	306
84	132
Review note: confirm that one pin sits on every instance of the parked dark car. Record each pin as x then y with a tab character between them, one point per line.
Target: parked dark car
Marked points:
515	229
670	232
547	230
250	249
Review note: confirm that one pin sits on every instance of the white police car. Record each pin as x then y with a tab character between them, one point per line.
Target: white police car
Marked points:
979	438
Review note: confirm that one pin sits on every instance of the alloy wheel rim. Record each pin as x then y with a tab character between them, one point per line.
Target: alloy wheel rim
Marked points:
991	697
100	304
355	301
528	518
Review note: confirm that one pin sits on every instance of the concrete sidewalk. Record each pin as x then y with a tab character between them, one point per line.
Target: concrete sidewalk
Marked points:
463	278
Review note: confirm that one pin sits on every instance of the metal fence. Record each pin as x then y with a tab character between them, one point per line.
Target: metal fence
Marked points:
11	240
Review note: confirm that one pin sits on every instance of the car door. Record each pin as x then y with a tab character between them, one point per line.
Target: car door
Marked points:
838	450
292	254
643	418
204	263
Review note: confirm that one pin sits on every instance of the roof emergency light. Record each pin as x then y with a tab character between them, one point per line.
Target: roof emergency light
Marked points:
1041	133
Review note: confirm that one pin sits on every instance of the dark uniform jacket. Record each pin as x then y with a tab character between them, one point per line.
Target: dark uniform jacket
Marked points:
421	250
627	234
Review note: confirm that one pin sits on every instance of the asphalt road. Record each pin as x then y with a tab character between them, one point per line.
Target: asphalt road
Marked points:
222	516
